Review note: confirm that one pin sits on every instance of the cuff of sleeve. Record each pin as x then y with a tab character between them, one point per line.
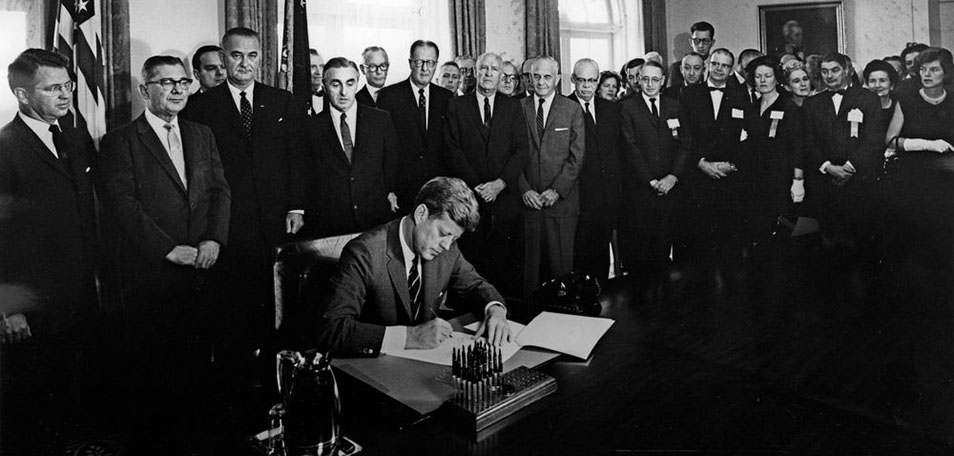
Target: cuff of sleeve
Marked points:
395	338
823	166
494	303
297	211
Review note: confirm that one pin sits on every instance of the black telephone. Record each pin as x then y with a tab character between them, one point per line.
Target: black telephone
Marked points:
574	293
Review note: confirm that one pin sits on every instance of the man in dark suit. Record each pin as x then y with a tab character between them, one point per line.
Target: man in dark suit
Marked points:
487	148
319	102
691	69
391	279
599	177
417	110
47	233
656	150
375	68
164	188
258	133
352	159
714	113
208	67
549	182
845	144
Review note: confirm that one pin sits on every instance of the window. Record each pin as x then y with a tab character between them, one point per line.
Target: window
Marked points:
346	27
603	30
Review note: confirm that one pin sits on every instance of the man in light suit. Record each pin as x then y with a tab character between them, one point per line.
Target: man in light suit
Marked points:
549	184
163	186
375	68
487	148
352	158
258	133
417	109
391	280
47	234
600	176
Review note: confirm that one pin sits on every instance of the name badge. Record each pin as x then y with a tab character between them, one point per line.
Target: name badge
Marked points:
673	123
738	113
777	115
855	115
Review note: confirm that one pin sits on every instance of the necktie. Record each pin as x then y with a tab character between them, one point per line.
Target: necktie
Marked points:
755	96
422	107
175	152
836	92
59	142
346	137
487	113
414	287
540	124
652	102
714	89
589	114
246	115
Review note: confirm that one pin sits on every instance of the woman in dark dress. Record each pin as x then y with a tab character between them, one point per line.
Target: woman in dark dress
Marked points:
921	191
773	147
881	78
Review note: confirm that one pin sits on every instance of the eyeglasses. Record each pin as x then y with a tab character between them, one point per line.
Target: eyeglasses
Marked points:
422	63
647	80
169	83
508	77
701	40
587	81
55	89
375	68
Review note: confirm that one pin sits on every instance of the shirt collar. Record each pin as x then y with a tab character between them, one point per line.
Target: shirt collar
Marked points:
405	248
710	84
415	88
158	124
548	98
352	111
480	98
38	126
237	92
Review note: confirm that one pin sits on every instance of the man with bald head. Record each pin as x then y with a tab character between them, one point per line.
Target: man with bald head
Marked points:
374	66
486	141
692	69
549	185
599	176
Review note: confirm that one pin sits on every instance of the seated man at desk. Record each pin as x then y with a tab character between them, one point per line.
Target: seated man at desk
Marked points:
391	279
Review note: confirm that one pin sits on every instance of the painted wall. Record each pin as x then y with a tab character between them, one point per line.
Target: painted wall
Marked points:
873	28
506	26
173	27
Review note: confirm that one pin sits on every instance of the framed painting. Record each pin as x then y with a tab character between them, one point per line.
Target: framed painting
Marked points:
802	28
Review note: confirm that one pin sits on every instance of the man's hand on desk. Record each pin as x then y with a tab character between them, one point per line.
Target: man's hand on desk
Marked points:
428	334
495	325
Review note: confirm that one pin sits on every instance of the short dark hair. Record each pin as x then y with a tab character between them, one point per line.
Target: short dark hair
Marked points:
913	47
880	65
838	58
197	57
22	71
338	62
240	31
723	51
450	63
451	196
940	55
611	75
314	52
894	58
748	53
632	64
423	43
149	66
766	61
703	26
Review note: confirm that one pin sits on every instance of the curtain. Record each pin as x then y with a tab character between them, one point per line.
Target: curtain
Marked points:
654	26
543	28
116	49
261	16
468	27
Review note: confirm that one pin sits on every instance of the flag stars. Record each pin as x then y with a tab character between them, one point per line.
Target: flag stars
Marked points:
81	5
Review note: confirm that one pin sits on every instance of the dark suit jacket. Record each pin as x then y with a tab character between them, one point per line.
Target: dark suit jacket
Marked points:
47	227
555	161
370	291
265	174
650	150
477	155
714	139
364	97
421	152
828	136
350	197
146	198
600	175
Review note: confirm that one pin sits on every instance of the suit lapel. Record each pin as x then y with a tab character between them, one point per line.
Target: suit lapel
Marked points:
36	146
190	146
530	114
155	147
413	96
396	268
326	123
555	111
472	110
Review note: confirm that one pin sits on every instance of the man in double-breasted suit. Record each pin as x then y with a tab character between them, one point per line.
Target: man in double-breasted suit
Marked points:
486	141
549	184
47	244
600	176
417	110
391	280
656	150
352	160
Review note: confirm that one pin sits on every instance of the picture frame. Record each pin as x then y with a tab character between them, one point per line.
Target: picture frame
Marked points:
802	28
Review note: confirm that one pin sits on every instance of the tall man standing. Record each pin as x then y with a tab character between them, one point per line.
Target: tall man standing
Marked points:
164	188
47	233
549	182
375	65
417	110
487	147
257	130
599	177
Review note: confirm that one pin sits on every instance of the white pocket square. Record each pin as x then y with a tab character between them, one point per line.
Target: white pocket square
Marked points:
281	119
561	129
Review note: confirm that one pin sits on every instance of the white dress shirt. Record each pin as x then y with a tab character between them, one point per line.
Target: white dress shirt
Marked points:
427	100
42	130
649	104
592	104
159	126
716	96
237	95
547	104
352	121
480	105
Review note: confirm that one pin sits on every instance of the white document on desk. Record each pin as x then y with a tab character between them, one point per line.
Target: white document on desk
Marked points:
574	335
443	353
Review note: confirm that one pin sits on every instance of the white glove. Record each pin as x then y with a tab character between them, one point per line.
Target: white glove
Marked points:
798	190
939	145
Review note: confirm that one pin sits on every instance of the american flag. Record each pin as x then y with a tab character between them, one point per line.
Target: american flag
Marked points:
77	36
295	69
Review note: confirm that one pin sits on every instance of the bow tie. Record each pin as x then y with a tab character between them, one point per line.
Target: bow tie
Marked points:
713	89
839	92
